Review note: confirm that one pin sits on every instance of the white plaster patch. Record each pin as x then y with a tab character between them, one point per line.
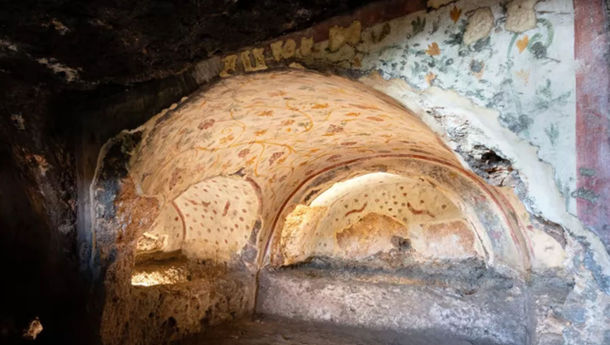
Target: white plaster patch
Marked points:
520	15
479	25
547	251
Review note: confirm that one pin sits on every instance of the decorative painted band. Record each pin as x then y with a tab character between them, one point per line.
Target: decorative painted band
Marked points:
592	54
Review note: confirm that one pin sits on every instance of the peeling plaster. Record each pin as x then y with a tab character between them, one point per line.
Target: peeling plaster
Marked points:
529	80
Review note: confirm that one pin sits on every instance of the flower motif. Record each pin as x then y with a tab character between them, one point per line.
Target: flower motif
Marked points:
430	77
206	124
433	49
523	75
275	156
243	153
522	43
455	14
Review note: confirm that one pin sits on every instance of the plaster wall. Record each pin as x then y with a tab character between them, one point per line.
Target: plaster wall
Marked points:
524	79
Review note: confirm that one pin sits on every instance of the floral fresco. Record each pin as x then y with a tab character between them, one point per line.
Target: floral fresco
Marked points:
527	76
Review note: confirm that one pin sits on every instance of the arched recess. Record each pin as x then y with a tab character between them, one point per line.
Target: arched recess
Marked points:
428	198
228	166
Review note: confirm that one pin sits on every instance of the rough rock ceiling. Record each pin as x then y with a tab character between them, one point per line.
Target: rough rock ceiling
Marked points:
122	41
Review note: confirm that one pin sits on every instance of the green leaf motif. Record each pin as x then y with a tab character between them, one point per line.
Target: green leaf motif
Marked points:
418	25
552	132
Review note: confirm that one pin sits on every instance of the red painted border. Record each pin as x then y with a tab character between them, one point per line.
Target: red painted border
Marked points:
181	219
592	116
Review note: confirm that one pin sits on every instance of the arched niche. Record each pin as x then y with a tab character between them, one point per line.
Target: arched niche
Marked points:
335	200
376	213
211	220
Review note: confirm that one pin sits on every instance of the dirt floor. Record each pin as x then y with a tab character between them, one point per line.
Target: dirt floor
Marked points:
262	330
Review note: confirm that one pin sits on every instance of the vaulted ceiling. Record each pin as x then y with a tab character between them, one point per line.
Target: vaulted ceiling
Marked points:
258	145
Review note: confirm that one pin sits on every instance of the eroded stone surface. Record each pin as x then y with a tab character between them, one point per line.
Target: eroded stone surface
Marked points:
167	273
372	234
169	312
491	310
266	330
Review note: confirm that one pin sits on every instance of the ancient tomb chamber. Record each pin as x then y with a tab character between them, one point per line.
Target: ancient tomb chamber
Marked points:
310	197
